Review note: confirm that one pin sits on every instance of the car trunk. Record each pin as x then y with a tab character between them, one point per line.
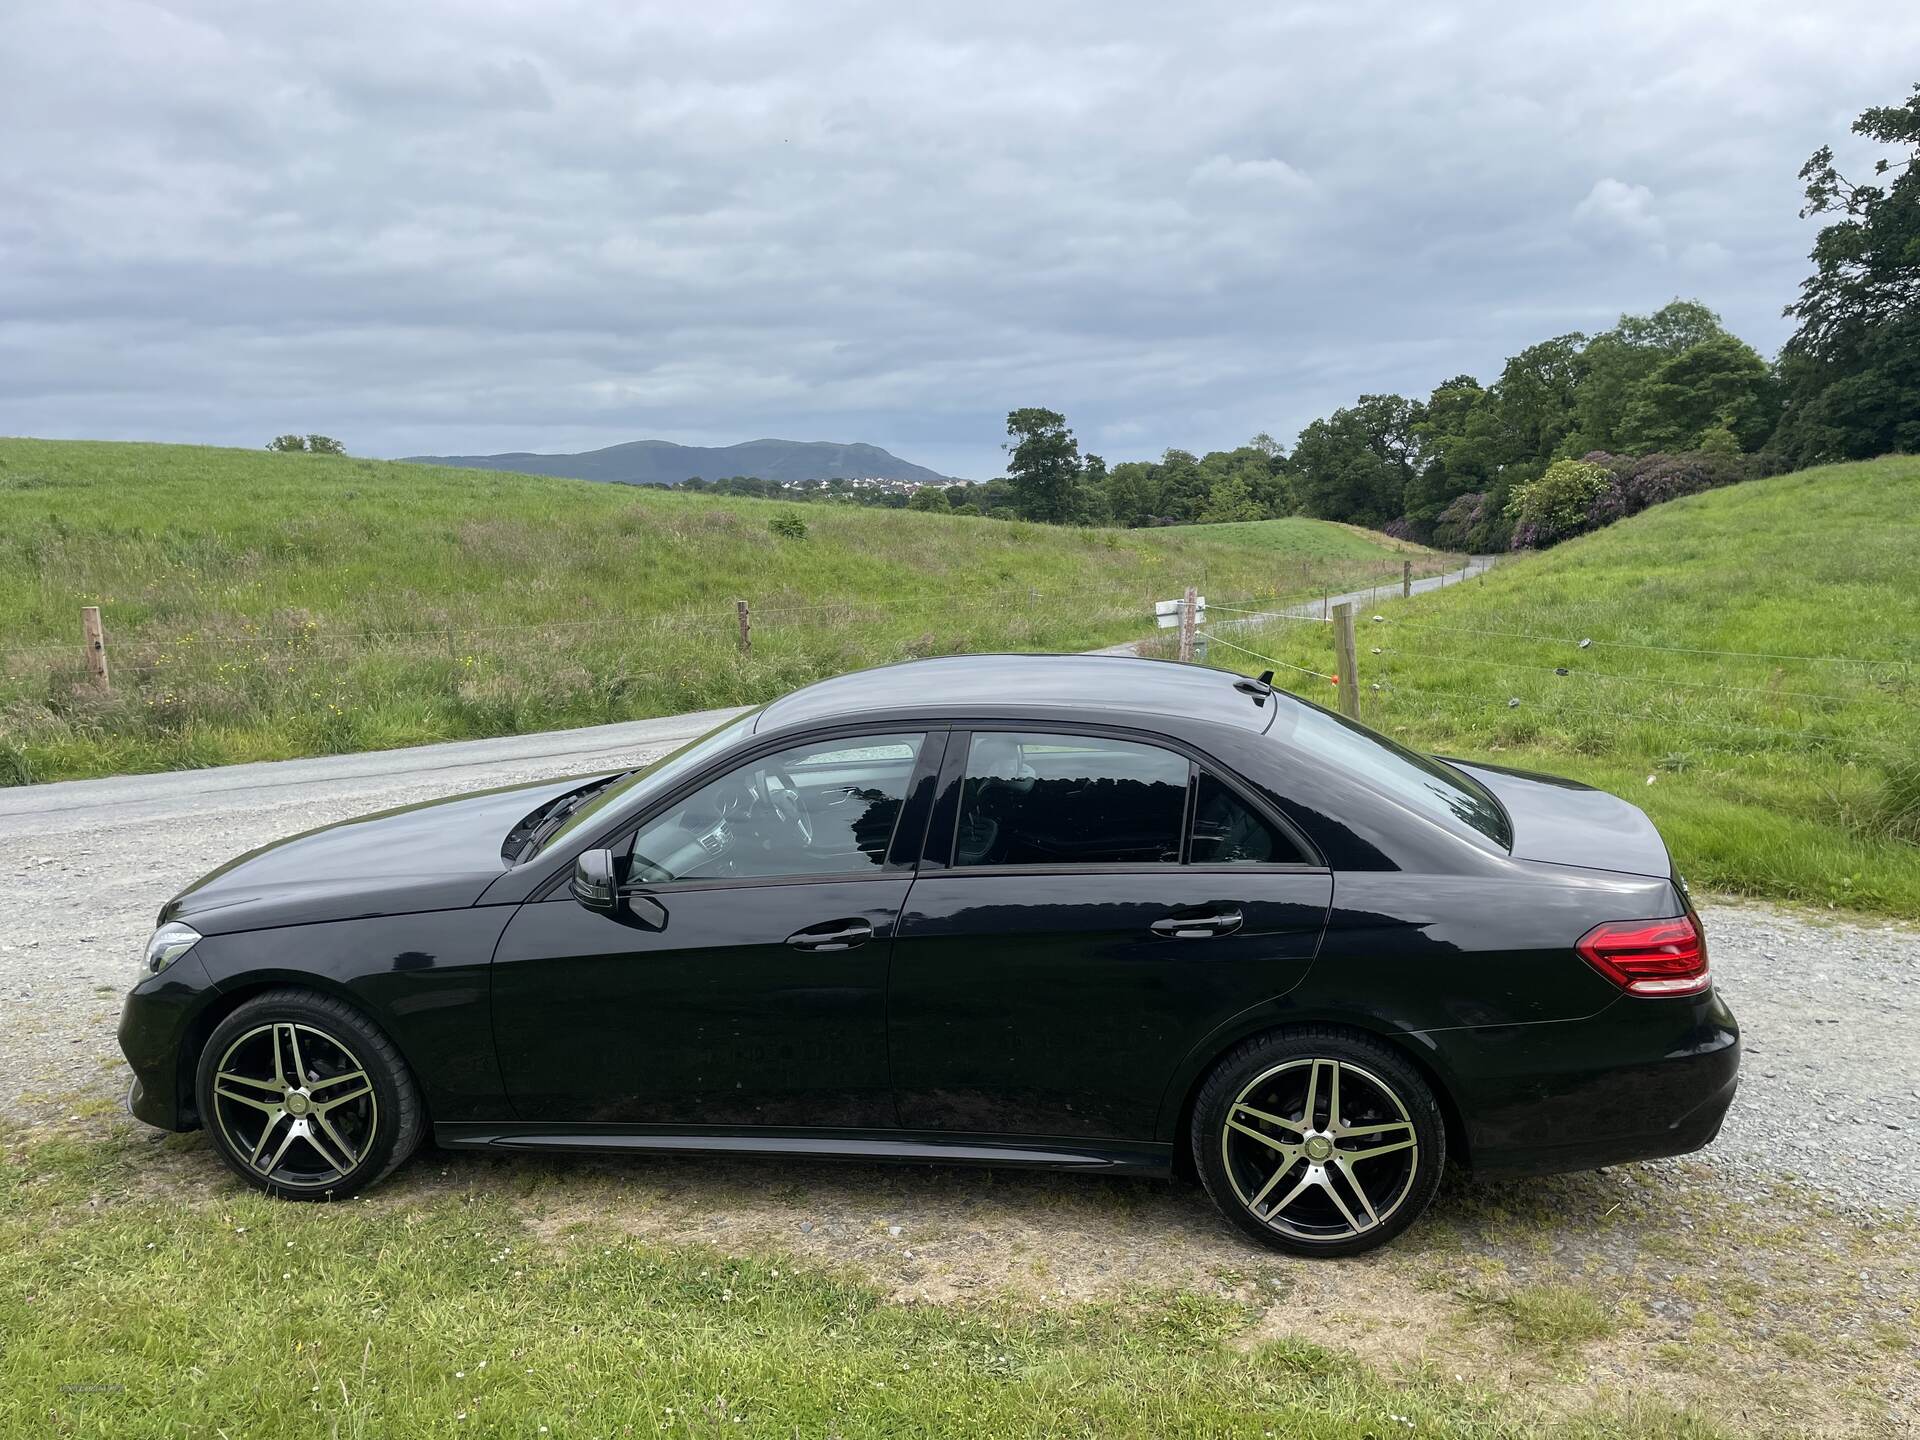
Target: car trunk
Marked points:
1562	822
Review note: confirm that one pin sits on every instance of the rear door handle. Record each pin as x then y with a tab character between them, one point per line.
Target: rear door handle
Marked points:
834	935
1198	927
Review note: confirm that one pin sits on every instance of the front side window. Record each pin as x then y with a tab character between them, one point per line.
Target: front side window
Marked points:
633	788
1039	799
827	808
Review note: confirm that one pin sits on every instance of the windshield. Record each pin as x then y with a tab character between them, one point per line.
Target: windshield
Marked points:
1430	786
642	782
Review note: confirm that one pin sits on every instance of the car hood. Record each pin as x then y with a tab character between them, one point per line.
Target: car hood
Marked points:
1562	822
436	855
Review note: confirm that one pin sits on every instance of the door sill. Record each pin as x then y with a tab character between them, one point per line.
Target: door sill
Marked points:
1124	1157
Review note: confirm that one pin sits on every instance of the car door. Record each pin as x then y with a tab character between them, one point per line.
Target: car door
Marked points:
741	980
1092	904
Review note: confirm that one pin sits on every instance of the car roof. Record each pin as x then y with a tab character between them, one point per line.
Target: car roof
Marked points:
971	684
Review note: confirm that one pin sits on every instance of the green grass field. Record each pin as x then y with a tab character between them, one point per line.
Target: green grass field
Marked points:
1753	679
140	1304
260	606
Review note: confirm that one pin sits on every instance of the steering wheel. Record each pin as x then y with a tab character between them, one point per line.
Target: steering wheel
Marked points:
789	806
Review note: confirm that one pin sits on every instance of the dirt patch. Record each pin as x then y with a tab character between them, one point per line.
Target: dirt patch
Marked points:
1783	1316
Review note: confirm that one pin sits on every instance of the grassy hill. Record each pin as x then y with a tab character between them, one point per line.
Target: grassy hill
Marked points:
260	606
1753	677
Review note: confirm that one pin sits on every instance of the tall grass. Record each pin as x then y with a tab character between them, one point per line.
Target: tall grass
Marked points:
1752	677
260	606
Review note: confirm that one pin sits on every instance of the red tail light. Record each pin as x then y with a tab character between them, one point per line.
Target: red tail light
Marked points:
1649	957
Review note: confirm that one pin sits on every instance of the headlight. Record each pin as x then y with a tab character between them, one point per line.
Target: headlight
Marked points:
168	944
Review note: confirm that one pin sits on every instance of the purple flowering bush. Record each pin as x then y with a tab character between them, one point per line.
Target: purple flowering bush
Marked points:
1472	522
1654	479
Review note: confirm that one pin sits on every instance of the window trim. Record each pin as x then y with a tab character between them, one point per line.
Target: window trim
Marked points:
944	823
900	859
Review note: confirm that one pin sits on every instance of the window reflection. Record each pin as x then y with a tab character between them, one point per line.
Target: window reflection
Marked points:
1043	799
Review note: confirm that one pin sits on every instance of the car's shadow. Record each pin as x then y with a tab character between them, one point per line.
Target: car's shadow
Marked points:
860	1211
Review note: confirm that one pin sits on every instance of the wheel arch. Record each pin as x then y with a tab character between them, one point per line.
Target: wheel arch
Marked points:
1417	1050
231	995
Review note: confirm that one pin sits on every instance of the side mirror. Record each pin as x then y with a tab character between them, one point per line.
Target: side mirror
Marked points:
594	885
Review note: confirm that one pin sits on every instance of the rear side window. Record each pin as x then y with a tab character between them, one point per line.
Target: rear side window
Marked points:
1434	789
1227	831
1041	799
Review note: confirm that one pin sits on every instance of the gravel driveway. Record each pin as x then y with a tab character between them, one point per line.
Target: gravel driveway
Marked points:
1830	1089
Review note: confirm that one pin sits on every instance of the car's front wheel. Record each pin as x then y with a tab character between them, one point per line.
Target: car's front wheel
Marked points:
1318	1141
305	1098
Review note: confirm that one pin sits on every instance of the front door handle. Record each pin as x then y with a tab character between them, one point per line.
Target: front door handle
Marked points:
1198	927
834	935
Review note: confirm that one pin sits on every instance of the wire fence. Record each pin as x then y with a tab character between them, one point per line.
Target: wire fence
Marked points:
294	636
1413	670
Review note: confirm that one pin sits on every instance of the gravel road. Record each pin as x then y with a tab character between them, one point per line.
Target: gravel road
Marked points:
1830	1090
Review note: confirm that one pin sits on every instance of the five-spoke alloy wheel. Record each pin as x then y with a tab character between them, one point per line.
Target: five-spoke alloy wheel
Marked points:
304	1098
1318	1141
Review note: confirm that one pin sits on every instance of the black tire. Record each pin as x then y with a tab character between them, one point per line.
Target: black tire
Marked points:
357	1114
1270	1158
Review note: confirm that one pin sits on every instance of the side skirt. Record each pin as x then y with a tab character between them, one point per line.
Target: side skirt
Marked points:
1112	1157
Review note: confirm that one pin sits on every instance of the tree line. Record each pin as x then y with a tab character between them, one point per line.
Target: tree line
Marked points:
1577	429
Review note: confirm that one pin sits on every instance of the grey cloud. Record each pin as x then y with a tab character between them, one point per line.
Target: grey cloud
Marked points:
486	226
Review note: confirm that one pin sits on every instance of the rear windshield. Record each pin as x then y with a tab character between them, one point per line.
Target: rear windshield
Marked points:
1432	787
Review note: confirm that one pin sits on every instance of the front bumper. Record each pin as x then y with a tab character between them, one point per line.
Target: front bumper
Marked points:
156	1024
1641	1080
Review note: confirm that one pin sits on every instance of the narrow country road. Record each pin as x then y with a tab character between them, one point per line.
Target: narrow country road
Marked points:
1219	619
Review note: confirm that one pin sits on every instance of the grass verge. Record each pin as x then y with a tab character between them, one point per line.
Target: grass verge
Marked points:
1744	664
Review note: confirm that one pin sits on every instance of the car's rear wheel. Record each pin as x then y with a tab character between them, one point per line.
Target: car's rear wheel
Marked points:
1318	1141
305	1098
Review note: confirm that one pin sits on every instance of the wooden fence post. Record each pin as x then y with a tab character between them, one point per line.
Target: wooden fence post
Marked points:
746	628
1346	665
1406	578
96	639
1187	609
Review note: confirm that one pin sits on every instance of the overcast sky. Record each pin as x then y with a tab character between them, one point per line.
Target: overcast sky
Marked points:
440	226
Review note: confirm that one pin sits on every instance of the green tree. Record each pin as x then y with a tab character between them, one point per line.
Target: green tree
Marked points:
1355	465
325	445
1719	384
1230	499
1454	431
1090	493
1616	362
1181	489
1132	491
1532	403
931	498
1043	465
1257	471
288	444
1851	371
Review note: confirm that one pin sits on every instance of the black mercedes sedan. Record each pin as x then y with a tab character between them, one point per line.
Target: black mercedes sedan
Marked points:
1070	911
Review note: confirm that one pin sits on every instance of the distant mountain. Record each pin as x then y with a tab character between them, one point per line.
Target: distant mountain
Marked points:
659	462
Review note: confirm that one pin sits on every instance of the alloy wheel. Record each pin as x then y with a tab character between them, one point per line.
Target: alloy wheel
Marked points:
1320	1150
295	1105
